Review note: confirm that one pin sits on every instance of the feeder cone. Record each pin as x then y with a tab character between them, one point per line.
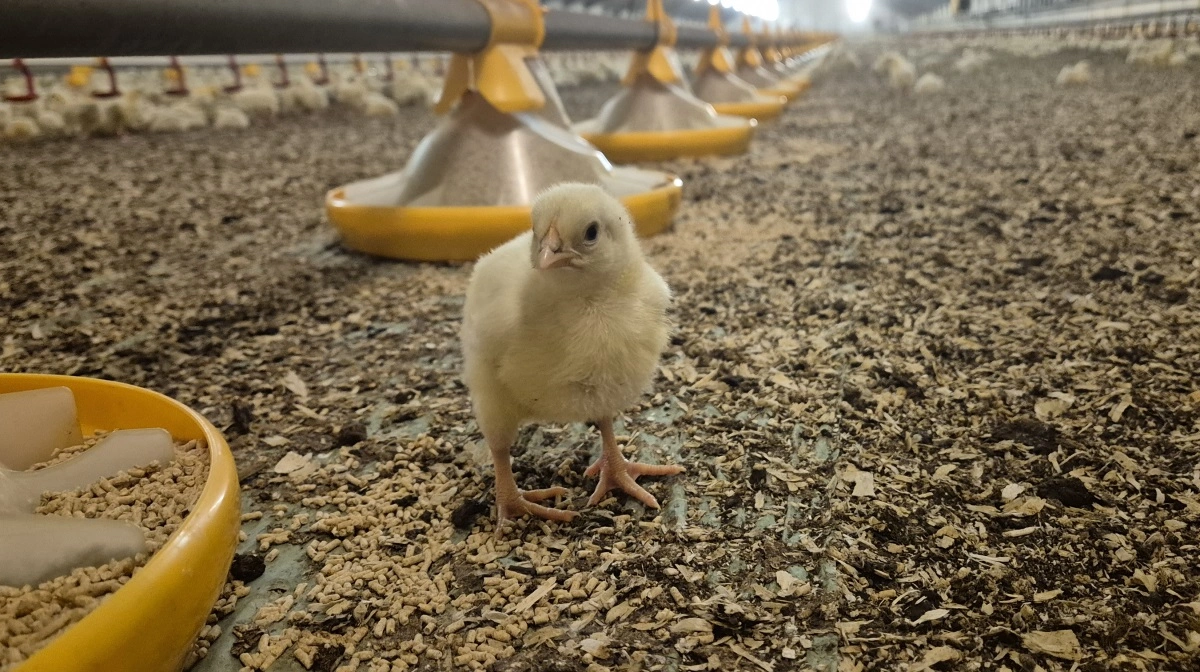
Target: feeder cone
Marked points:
716	84
750	69
506	137
655	118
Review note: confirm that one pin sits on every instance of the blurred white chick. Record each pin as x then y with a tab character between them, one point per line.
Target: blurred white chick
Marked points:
309	96
378	105
564	323
19	129
230	117
1070	75
260	102
929	83
901	73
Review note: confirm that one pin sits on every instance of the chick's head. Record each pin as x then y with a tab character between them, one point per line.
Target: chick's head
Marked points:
580	227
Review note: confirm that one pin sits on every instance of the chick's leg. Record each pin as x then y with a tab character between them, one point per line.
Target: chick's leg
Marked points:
617	472
511	502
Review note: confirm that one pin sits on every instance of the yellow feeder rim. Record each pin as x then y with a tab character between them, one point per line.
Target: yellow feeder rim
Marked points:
466	233
789	90
639	146
149	624
762	110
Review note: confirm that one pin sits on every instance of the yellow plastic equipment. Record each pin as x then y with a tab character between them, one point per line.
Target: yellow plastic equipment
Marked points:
750	68
468	185
762	110
500	72
79	76
731	137
715	82
654	118
466	233
149	624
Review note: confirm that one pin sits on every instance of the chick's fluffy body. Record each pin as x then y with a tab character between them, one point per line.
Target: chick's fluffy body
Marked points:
572	345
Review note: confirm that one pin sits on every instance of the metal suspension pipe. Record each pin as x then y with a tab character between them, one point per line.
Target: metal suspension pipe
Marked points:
33	28
573	30
84	28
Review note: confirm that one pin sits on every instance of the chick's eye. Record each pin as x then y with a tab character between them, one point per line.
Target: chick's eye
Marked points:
591	233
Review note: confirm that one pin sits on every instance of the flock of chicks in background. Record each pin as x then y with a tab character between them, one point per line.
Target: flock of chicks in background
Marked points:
154	100
974	53
150	101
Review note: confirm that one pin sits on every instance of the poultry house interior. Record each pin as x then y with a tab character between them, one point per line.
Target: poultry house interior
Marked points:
924	388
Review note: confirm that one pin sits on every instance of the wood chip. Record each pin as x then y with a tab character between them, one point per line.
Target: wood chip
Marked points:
1058	643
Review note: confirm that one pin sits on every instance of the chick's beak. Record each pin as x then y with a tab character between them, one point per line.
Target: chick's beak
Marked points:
550	252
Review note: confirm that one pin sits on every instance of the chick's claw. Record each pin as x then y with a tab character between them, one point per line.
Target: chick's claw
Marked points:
622	474
520	503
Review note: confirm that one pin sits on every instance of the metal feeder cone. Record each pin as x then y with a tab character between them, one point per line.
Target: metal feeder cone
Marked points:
716	84
469	184
777	60
802	53
750	69
655	118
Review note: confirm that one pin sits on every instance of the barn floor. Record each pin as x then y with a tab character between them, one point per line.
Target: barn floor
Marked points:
935	386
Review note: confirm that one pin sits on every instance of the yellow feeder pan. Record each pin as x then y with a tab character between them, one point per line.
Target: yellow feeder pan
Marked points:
469	185
654	117
729	135
149	624
762	109
466	233
788	90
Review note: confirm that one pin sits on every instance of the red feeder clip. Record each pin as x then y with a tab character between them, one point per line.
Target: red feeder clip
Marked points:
237	76
389	70
284	80
113	91
30	88
324	78
181	88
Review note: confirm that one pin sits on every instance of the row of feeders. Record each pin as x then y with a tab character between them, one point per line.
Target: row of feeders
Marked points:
718	84
654	117
469	184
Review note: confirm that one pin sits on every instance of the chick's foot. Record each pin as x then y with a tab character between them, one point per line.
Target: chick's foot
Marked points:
516	503
618	473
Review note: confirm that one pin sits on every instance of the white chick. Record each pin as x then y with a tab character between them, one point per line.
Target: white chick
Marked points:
564	323
1071	75
21	129
309	96
929	83
134	112
1156	52
971	61
51	122
351	91
901	73
412	88
258	101
378	105
883	63
177	117
230	117
101	117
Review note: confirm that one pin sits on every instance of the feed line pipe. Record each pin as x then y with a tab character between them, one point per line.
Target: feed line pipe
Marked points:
87	28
